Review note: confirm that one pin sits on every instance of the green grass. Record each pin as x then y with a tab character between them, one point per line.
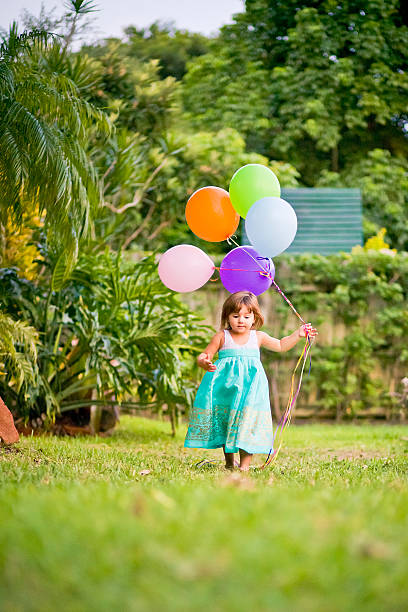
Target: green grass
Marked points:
324	529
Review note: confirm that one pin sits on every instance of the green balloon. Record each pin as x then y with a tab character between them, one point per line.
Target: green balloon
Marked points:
251	183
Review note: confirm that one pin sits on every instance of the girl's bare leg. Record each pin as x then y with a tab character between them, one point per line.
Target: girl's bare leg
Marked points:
245	460
229	459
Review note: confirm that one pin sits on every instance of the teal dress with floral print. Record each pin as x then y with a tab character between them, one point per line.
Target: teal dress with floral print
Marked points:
232	407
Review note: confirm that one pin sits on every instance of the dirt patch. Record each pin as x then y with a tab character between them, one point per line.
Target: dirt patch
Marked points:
9	450
341	454
35	456
355	453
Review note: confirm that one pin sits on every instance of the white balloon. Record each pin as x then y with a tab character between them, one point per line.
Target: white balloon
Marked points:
271	226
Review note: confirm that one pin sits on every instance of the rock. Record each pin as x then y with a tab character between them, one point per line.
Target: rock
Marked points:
8	432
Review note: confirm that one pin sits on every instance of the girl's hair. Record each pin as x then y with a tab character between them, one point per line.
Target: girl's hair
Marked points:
234	303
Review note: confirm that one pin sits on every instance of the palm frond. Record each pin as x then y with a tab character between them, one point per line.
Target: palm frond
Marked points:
21	369
18	349
14	43
6	79
81	7
61	271
44	123
18	332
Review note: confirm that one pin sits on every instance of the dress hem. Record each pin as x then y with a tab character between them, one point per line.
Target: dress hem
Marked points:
234	449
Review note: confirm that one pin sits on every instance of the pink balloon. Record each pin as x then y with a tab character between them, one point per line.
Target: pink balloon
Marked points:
185	268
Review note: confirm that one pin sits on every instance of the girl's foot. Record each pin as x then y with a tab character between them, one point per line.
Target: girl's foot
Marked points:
229	460
245	460
231	466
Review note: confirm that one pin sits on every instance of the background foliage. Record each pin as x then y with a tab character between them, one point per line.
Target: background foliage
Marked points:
101	149
359	302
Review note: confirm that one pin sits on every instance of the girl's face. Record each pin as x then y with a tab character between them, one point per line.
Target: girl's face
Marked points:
242	321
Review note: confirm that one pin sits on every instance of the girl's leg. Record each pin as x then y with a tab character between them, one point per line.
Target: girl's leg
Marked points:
245	460
229	459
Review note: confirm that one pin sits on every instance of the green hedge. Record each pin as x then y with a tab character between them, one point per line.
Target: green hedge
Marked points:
359	304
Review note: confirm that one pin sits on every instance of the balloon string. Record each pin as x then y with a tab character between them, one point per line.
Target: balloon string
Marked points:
298	315
279	290
287	415
242	270
286	418
231	240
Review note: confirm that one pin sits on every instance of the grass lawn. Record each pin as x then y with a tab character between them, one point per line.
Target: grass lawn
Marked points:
128	523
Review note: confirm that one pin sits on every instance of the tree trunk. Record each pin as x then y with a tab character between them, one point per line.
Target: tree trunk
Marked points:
335	159
173	418
95	416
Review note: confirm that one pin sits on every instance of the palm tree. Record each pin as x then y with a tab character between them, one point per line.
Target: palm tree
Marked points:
44	131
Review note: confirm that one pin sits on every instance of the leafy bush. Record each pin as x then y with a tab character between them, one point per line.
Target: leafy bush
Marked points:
112	334
359	302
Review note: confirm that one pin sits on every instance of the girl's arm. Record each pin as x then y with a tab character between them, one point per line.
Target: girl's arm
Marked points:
204	360
288	342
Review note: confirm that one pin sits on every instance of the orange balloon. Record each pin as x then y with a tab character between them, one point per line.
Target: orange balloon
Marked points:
210	214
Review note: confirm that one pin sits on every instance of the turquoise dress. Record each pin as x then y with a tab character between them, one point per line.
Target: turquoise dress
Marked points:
232	406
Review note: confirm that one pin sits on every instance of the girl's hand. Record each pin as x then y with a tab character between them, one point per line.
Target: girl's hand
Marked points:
206	363
307	330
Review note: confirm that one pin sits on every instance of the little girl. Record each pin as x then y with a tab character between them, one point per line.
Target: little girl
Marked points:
231	409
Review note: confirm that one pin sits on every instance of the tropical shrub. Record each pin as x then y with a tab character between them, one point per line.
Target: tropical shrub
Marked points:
111	334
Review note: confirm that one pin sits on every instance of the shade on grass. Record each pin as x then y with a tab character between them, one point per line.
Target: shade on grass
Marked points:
128	523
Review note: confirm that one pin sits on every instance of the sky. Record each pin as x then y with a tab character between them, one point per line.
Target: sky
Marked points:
204	16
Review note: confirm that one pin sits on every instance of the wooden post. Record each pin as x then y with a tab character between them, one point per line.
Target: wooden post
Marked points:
173	419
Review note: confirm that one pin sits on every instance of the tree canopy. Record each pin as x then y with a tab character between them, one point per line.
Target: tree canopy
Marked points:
328	80
171	46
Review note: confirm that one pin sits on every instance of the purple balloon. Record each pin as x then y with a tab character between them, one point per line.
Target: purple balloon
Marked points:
241	270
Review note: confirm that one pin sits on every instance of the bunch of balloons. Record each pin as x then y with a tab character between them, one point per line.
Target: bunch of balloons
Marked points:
213	214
